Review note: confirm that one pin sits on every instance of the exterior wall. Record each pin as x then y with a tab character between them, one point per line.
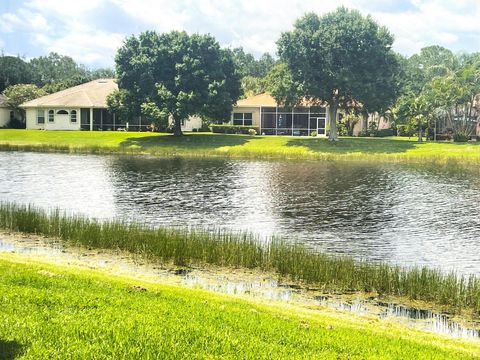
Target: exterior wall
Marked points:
31	120
244	109
61	122
193	122
4	116
382	123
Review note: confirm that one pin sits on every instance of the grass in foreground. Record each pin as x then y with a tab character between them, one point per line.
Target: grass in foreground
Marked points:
51	312
239	146
294	261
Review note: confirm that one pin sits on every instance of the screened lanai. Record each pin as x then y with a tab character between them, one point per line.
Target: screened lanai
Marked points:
262	111
299	121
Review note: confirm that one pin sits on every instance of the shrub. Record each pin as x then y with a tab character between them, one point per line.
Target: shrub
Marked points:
232	129
313	133
404	130
252	132
461	136
385	132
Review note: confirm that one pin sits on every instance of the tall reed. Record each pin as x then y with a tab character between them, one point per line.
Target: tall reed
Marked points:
224	248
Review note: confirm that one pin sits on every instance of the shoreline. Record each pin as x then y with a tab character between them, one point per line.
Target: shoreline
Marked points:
252	284
205	145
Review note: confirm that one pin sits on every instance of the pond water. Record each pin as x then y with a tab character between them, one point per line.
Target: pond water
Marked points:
404	214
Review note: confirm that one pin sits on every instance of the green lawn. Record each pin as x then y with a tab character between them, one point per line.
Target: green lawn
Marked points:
239	146
57	312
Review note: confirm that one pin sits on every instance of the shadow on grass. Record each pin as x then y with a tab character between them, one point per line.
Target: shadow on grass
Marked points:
349	145
197	141
10	349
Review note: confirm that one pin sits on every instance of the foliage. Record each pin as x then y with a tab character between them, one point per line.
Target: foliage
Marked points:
13	70
248	66
350	52
20	93
313	133
180	74
55	68
232	129
252	85
462	135
348	121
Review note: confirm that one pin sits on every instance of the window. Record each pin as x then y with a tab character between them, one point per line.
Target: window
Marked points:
62	112
245	119
51	116
73	116
12	116
40	116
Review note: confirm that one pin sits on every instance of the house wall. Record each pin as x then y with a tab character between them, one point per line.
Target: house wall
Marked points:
4	117
193	122
244	109
61	122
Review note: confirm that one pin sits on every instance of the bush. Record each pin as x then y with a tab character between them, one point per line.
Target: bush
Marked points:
233	129
252	132
385	132
313	133
461	136
404	130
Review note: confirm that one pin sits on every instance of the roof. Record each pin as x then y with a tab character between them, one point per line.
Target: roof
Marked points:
3	101
266	99
92	94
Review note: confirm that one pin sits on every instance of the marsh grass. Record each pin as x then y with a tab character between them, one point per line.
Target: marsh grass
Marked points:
223	248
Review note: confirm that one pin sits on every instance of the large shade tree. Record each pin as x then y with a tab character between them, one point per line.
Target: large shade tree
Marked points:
13	70
338	58
176	75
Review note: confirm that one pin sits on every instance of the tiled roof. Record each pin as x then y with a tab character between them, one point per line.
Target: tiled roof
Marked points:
92	94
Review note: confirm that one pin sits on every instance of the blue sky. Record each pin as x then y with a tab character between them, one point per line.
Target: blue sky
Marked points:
90	31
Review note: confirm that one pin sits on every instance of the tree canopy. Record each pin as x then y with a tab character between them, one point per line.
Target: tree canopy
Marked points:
13	70
339	57
177	75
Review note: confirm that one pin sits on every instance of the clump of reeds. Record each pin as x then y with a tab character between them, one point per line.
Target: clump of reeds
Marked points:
225	248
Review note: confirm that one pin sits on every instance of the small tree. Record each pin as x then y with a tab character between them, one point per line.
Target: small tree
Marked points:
337	58
176	75
20	93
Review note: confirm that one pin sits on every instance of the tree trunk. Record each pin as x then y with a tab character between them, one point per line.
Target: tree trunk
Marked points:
364	122
420	132
332	118
177	127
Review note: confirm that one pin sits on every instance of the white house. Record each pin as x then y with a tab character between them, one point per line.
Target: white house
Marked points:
5	113
83	107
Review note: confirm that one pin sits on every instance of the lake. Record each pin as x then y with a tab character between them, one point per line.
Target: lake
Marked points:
404	214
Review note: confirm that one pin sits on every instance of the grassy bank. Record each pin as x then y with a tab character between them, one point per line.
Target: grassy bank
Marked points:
52	312
294	261
239	146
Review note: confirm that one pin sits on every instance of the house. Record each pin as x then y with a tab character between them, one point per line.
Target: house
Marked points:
84	107
263	112
5	113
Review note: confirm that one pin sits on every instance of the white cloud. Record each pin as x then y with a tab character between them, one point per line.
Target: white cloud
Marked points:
69	27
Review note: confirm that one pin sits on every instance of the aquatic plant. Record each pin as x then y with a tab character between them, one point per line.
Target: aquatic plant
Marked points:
234	249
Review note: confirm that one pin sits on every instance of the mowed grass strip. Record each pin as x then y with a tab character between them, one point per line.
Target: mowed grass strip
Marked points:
291	260
51	312
240	146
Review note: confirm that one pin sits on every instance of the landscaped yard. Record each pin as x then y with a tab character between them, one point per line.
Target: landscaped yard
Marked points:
240	146
51	311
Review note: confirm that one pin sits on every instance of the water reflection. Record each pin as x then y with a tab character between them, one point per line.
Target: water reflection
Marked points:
402	214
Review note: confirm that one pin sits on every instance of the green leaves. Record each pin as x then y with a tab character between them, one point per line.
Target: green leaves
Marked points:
181	74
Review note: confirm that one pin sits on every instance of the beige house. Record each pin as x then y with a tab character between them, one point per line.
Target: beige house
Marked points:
263	112
5	113
84	107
